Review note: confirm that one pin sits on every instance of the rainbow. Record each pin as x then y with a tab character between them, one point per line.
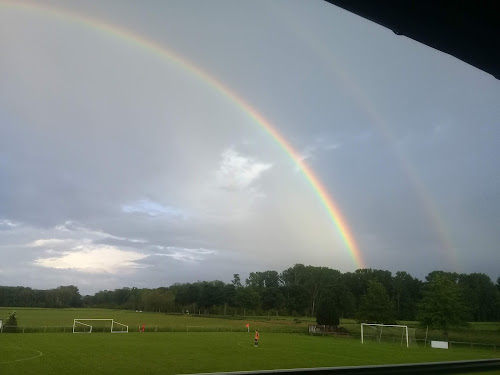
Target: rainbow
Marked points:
353	88
190	68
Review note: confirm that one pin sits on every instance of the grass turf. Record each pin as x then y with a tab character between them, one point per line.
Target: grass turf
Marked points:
182	352
40	317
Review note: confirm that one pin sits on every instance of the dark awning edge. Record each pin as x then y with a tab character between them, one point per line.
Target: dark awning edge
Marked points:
453	367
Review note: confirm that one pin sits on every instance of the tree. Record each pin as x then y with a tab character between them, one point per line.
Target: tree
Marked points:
376	306
480	293
247	298
296	299
272	298
11	323
236	280
453	276
326	312
406	294
441	306
344	300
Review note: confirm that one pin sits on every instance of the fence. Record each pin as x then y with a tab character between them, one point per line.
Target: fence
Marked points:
152	328
464	344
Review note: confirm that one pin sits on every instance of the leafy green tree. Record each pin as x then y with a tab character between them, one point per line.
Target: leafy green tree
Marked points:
247	299
453	276
442	306
294	289
294	275
211	294
187	295
159	300
344	300
317	280
376	306
260	280
327	312
272	298
11	323
480	294
358	281
406	293
296	299
236	280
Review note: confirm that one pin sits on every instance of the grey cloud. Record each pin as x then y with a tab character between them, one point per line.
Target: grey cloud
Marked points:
111	146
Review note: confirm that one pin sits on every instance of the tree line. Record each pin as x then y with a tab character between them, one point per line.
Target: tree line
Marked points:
18	296
366	294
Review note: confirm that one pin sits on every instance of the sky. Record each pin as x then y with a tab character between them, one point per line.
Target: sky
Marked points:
148	143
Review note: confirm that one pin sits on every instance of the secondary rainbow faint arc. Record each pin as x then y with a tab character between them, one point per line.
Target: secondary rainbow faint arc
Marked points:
341	72
140	41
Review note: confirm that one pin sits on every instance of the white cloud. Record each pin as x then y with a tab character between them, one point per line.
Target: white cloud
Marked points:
307	153
238	172
75	247
333	146
50	242
71	229
8	224
151	208
319	145
94	259
186	254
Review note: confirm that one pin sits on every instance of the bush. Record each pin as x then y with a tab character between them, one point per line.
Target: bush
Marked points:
327	313
11	323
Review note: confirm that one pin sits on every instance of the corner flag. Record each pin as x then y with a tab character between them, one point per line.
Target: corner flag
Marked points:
248	326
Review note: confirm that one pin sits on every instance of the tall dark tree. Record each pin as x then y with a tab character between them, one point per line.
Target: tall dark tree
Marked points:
376	306
442	306
358	281
407	291
296	299
318	279
453	276
236	280
247	299
260	280
327	311
272	298
480	293
294	275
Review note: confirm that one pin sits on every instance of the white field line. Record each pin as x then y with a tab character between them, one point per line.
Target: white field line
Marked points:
25	359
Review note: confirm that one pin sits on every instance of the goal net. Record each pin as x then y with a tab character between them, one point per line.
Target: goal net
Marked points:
98	325
388	333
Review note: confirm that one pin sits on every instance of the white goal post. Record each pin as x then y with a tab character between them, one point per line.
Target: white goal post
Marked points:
381	326
86	325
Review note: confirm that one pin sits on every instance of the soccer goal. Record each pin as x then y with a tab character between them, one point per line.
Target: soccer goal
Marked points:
386	332
98	325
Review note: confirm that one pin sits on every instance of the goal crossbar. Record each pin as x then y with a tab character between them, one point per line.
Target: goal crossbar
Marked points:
386	325
112	321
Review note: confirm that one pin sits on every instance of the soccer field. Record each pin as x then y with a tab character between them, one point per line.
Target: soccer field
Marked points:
191	352
40	318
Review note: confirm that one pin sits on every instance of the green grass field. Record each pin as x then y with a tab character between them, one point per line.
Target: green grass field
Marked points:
30	317
181	352
176	351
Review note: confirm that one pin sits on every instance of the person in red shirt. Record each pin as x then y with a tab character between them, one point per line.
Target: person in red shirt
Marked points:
256	338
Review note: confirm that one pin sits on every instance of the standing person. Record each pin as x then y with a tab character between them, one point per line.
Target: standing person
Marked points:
256	338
